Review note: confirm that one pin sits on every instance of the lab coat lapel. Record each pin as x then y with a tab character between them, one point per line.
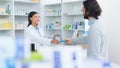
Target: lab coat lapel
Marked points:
41	32
34	31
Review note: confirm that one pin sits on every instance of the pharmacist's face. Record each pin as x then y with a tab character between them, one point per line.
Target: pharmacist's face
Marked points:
35	19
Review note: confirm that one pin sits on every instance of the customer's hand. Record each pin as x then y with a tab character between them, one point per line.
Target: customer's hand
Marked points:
68	40
55	41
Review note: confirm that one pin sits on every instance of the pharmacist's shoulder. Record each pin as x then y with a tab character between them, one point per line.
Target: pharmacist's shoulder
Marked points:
28	29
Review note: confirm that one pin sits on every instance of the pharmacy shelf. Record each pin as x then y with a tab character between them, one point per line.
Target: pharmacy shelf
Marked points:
73	29
6	17
5	14
51	4
27	2
21	15
19	28
72	2
5	29
21	11
74	14
72	17
5	1
54	29
71	14
53	15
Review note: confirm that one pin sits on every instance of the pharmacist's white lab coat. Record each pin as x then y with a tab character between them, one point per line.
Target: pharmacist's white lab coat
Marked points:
32	36
96	40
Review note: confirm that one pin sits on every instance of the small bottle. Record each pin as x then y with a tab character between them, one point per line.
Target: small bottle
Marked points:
25	65
52	25
46	26
78	34
32	47
8	9
74	59
72	26
106	64
76	26
57	59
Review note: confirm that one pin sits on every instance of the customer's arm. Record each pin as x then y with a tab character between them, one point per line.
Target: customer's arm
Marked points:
80	40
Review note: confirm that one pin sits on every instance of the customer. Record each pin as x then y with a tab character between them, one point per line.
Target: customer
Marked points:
96	39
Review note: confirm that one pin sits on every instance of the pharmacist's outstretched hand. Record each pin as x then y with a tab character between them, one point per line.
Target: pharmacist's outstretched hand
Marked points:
68	40
55	41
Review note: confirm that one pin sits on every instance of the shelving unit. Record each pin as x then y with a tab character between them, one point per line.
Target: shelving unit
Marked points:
21	10
13	15
29	2
6	18
72	1
52	19
5	29
57	16
70	18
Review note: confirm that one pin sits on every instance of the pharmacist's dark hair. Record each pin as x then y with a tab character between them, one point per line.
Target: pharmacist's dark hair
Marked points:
92	8
29	16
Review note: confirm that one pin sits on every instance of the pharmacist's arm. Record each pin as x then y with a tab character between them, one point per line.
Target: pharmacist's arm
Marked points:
36	38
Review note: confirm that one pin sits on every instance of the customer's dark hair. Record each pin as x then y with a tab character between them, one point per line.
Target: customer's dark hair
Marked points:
92	8
29	16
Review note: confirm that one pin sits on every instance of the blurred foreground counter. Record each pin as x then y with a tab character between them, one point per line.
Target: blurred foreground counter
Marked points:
63	56
55	56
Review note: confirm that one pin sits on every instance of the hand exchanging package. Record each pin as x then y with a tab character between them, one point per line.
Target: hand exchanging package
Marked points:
55	41
68	40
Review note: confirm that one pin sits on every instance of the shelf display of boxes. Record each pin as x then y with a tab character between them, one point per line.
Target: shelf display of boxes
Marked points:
5	24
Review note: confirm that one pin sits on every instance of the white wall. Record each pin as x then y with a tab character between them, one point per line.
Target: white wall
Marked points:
111	18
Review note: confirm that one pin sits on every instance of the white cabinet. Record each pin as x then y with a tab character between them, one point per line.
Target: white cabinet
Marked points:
63	18
48	2
6	17
72	18
52	19
66	1
57	16
21	11
13	15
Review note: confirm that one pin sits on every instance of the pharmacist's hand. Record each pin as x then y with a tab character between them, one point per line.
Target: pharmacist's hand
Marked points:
68	40
55	41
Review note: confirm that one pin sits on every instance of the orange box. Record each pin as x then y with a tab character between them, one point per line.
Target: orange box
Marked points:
35	0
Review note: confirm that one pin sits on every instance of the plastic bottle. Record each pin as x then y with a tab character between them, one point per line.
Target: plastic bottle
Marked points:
106	64
32	47
74	58
57	59
8	9
46	26
52	25
10	63
76	26
25	65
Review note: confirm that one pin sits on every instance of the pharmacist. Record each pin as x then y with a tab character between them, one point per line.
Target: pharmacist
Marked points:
34	34
96	39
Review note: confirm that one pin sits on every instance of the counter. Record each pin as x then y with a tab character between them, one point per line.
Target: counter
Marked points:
64	56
